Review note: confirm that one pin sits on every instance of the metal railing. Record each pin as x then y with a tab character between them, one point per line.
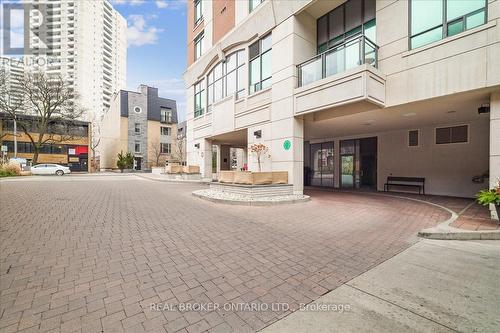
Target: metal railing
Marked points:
352	53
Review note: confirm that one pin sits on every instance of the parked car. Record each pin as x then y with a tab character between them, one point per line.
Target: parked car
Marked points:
49	169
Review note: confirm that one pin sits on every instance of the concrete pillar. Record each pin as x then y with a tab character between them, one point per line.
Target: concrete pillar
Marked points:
205	152
494	143
218	157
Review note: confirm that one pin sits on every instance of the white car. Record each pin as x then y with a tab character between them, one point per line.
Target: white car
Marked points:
49	169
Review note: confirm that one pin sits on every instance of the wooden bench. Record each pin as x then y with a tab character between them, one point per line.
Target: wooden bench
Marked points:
416	182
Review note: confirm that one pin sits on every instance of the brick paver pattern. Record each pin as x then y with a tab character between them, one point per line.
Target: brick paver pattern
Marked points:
92	254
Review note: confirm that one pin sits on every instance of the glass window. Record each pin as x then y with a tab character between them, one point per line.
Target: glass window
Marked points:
428	24
252	4
223	80
413	138
198	46
198	11
165	148
199	98
455	134
165	115
260	70
165	130
346	20
137	147
137	128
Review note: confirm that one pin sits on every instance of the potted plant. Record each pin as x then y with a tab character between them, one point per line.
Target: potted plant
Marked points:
491	196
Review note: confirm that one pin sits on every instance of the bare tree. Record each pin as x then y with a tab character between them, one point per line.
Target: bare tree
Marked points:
155	147
95	141
180	148
49	111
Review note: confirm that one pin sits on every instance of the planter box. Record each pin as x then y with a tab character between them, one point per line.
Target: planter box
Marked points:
157	170
226	177
262	178
254	191
191	169
280	177
173	169
243	177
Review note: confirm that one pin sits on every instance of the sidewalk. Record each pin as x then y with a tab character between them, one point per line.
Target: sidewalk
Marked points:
438	286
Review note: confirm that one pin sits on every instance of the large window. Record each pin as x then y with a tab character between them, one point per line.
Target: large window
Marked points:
137	147
199	98
252	4
352	18
165	148
137	128
165	115
198	11
198	46
227	78
455	134
432	20
260	66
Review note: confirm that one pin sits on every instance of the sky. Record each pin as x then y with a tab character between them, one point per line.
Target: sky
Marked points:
156	53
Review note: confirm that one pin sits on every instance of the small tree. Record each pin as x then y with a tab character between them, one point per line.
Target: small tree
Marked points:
259	150
155	148
125	161
180	148
95	141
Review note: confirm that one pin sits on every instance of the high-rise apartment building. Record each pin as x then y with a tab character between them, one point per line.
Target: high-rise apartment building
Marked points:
347	93
83	41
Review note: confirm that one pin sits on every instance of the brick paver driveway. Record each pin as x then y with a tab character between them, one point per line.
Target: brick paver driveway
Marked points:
92	253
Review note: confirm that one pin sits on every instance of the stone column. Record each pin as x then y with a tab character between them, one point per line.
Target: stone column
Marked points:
205	152
494	143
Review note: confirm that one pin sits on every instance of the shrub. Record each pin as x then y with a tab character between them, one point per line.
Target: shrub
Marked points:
9	170
125	161
491	196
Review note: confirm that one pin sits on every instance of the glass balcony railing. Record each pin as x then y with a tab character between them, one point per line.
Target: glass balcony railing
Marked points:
352	53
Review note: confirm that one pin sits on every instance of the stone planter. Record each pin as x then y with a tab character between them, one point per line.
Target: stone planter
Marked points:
157	170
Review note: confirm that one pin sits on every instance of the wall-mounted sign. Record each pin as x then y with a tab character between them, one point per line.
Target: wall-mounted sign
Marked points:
5	148
71	151
287	144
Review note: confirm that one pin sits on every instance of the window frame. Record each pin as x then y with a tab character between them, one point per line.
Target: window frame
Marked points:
137	143
168	145
200	111
250	2
137	128
197	20
347	34
259	56
418	138
223	78
198	43
168	115
444	23
168	131
452	142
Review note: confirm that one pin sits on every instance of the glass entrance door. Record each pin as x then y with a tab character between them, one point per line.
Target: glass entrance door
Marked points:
322	164
347	171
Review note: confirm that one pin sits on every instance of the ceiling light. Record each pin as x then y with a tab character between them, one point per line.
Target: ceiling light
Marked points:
451	111
409	114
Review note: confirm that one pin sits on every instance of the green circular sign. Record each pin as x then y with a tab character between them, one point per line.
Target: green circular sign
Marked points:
287	144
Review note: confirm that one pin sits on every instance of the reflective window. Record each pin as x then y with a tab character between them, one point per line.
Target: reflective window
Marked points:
199	98
351	18
165	148
165	115
260	70
252	4
226	78
429	24
198	46
198	11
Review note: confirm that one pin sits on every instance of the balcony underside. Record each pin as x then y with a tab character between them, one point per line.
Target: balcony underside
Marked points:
363	86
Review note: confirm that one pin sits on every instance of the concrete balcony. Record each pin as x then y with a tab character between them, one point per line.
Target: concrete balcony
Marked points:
343	75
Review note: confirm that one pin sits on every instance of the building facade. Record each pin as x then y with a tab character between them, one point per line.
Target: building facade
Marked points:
65	143
141	123
347	93
83	41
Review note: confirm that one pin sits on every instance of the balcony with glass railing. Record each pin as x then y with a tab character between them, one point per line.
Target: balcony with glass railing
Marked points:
344	74
354	52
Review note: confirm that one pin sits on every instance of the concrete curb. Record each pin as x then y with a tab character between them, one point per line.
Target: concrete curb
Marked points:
251	203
